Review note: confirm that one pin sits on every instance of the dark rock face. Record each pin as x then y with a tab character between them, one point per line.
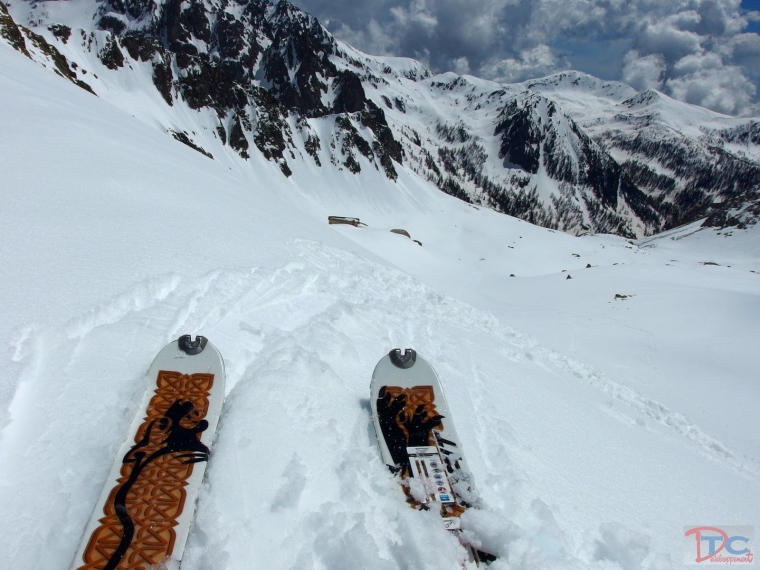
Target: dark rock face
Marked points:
112	24
536	134
237	138
111	55
299	43
350	96
185	139
385	146
17	36
162	78
535	139
272	132
701	178
61	32
11	32
136	9
521	137
212	58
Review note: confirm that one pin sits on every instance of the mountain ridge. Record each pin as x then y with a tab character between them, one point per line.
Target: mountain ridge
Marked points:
568	151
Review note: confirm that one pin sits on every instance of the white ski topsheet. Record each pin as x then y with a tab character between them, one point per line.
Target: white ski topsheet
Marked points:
421	373
170	358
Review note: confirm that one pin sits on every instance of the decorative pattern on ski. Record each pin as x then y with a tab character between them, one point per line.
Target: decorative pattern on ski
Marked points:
145	510
141	513
407	417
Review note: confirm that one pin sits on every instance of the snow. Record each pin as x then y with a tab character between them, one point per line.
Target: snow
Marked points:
596	428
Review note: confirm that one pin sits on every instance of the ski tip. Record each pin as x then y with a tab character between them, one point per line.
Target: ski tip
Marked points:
189	346
405	360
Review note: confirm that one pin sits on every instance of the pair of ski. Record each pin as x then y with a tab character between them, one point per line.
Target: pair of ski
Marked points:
144	513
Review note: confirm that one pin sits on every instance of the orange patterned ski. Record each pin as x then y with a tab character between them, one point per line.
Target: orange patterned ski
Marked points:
137	529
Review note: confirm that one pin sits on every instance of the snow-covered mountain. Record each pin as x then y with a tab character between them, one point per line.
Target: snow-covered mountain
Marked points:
569	152
604	389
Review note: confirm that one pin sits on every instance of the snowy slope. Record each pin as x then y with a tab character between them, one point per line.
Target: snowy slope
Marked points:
596	428
568	152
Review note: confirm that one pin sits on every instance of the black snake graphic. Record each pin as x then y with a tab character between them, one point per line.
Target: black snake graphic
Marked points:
179	440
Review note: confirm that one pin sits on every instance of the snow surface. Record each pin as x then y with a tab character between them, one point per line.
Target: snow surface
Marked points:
596	427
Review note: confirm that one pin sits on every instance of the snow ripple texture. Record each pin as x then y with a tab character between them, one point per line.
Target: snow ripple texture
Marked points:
296	480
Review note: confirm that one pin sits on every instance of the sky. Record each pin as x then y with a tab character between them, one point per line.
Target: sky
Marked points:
705	52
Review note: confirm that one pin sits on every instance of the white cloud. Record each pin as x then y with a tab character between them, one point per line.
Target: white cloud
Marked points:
672	37
723	89
743	50
696	62
461	66
530	63
666	44
644	72
416	13
373	39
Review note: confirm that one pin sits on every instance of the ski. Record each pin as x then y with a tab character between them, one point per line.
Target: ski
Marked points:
417	438
145	511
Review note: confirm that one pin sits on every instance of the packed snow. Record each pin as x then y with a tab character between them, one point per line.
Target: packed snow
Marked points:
605	391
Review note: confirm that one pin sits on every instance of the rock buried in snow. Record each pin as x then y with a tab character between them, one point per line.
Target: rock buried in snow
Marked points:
402	233
344	220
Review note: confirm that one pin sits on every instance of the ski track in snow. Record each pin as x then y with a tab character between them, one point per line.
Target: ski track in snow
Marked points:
295	448
708	445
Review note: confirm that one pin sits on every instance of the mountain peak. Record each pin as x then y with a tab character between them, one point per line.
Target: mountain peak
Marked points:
578	81
643	99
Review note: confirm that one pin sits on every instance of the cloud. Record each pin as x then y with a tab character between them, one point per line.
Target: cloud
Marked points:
743	50
461	66
723	89
671	37
643	73
535	62
673	45
374	38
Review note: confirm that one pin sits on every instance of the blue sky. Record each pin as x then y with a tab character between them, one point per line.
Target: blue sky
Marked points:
752	5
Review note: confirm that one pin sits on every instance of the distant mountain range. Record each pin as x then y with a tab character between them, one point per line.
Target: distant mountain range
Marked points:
569	151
